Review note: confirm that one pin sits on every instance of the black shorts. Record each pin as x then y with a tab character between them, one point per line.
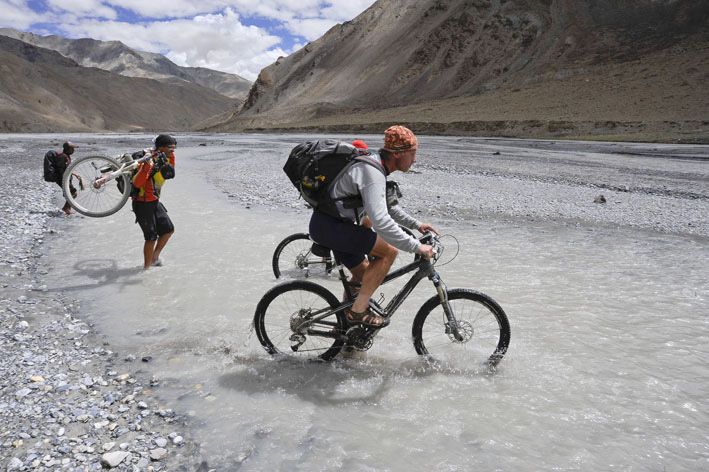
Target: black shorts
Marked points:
153	219
350	242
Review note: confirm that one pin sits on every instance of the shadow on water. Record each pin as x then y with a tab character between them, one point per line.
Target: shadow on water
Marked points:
104	272
344	381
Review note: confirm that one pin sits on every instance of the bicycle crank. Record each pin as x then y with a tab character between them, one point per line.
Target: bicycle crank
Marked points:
359	338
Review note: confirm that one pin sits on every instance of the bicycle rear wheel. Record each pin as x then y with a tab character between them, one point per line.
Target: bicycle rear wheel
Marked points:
287	308
482	323
92	199
294	259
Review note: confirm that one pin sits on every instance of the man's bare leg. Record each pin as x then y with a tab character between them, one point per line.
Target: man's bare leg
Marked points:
162	241
374	273
148	250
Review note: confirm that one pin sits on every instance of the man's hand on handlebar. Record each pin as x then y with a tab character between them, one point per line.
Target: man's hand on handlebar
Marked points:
426	251
427	227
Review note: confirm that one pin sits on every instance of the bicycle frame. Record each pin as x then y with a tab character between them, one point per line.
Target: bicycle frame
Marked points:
124	169
424	269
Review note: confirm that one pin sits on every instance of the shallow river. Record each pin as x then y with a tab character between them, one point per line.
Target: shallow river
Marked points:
607	367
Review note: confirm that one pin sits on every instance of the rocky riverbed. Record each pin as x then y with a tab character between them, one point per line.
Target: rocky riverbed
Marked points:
69	402
655	187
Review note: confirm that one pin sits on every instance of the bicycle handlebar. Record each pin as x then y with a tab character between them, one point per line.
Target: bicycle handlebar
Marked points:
429	237
432	239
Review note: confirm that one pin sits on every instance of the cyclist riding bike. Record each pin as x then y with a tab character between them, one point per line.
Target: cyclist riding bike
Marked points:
352	242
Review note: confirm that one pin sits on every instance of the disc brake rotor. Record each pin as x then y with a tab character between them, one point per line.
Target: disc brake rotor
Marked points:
465	329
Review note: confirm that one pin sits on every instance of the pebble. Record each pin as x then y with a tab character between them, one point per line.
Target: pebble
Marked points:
158	454
112	459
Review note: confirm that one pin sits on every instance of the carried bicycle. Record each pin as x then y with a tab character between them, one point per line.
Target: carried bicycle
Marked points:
305	320
298	257
94	196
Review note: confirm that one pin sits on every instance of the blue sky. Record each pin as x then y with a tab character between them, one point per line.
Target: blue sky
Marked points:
237	36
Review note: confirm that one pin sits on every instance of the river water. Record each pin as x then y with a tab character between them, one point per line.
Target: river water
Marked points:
607	367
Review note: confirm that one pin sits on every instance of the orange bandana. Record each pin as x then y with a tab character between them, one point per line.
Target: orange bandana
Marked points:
399	138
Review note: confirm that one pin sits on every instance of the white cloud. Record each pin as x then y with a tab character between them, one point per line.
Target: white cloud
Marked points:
169	8
17	15
216	41
82	8
307	18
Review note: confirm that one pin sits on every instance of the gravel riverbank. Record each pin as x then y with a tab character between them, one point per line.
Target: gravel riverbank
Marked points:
652	187
67	402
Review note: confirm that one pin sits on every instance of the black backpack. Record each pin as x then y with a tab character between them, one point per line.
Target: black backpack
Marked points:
51	172
314	166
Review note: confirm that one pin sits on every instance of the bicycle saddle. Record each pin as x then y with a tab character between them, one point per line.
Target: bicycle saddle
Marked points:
320	250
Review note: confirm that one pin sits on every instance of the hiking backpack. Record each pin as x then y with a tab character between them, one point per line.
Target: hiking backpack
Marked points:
51	172
313	168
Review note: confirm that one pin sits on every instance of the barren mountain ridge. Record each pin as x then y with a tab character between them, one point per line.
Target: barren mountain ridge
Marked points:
515	67
114	56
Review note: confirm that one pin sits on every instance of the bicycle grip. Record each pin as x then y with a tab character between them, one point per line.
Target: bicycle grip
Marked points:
427	237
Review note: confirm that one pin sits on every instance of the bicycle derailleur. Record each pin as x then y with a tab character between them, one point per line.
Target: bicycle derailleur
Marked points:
298	323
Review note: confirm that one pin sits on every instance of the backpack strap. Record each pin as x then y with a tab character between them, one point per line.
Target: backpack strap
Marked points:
355	201
367	160
372	162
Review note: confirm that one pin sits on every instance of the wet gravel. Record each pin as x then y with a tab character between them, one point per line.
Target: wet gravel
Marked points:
652	187
68	402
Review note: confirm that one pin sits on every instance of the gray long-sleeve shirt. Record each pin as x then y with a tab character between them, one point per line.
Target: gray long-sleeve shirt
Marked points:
370	183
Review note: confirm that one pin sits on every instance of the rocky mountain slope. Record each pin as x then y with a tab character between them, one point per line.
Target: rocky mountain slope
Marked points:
114	56
514	67
41	91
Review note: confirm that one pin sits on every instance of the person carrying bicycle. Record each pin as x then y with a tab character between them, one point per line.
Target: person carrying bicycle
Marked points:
62	161
150	213
352	242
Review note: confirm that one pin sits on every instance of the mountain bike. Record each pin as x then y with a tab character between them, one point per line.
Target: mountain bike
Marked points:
95	196
304	320
298	257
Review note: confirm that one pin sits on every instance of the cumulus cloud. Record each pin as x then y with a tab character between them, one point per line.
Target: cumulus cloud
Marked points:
16	14
216	41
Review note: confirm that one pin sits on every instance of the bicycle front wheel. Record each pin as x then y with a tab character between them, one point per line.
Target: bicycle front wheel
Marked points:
284	321
89	197
483	329
294	259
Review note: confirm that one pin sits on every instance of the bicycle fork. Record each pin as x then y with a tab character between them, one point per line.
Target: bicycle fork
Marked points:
451	324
